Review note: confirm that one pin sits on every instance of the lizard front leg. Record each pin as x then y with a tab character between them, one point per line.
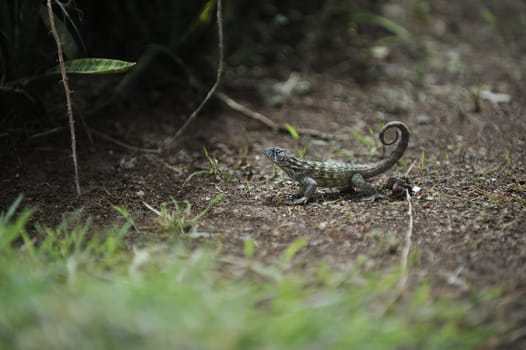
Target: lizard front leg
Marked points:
308	187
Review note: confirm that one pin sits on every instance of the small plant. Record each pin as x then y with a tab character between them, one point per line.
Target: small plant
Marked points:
351	216
11	231
126	215
488	16
400	34
364	139
180	218
212	170
292	250
421	11
248	248
508	158
292	131
474	94
302	152
422	163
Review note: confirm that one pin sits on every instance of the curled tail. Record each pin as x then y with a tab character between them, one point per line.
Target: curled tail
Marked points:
384	164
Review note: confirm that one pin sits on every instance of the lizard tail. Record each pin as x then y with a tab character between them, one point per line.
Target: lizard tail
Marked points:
384	164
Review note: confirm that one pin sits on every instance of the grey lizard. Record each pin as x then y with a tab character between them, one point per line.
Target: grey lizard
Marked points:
312	174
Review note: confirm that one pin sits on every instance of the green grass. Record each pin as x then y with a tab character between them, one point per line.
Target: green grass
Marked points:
79	287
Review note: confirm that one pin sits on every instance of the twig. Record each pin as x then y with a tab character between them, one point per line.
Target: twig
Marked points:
312	133
67	92
246	111
46	133
238	107
157	212
410	168
402	282
218	76
123	144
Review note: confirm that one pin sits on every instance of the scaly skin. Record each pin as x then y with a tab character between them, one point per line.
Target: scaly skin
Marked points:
311	174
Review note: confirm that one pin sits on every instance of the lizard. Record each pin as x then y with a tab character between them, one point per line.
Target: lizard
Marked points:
312	174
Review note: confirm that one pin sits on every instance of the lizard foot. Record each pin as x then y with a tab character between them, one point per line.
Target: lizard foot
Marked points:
299	201
398	185
372	197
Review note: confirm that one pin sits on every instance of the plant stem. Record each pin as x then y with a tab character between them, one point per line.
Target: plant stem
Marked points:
218	75
67	92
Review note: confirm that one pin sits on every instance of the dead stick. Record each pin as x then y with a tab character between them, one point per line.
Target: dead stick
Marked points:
410	168
238	107
123	144
67	92
402	282
218	76
246	111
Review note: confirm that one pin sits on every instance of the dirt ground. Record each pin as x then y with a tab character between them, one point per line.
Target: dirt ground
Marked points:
469	216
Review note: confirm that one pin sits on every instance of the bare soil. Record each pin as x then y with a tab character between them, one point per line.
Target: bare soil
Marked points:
469	216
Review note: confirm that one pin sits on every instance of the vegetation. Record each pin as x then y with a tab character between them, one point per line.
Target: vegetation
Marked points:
178	36
77	286
164	286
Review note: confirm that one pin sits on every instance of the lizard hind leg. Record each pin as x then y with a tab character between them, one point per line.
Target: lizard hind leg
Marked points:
300	191
368	189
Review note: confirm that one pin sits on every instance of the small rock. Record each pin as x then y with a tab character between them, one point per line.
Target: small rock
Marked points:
128	164
395	100
380	52
495	97
422	119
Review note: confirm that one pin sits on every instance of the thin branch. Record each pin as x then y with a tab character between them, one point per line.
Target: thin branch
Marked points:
246	111
46	132
238	107
67	92
410	168
402	282
218	76
123	144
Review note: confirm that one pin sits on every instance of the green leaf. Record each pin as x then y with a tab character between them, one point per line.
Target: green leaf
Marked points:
207	12
203	19
489	17
248	247
293	249
214	201
362	138
302	152
292	131
367	17
94	66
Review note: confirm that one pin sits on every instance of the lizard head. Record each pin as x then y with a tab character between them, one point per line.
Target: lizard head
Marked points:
287	161
278	156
